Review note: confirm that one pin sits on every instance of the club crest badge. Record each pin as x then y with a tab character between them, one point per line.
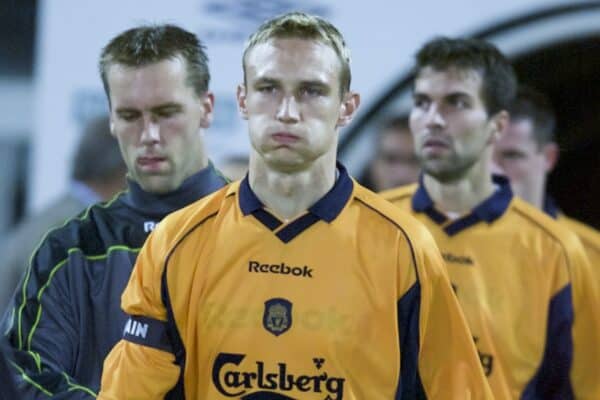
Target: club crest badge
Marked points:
277	317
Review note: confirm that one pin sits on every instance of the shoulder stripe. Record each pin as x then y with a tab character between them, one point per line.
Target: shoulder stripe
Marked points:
172	330
412	250
83	217
550	233
47	283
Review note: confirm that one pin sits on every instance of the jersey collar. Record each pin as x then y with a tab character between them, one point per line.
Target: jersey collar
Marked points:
489	210
193	188
327	208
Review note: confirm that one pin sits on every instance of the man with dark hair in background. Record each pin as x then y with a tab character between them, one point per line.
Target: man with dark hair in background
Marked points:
527	153
67	316
97	174
394	163
513	269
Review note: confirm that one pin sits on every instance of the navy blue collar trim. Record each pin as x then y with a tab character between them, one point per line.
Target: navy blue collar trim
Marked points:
489	210
550	207
202	183
326	209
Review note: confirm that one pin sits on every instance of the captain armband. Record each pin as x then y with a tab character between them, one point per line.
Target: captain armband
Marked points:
147	332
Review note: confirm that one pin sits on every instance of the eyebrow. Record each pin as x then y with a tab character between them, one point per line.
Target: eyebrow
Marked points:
455	95
159	107
164	106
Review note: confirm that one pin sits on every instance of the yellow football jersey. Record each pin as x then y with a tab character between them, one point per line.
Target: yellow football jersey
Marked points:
510	266
586	302
349	301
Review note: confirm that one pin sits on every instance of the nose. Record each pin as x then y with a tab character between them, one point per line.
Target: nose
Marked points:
434	117
288	110
151	131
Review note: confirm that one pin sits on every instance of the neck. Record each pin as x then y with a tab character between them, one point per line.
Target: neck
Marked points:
532	192
464	194
289	194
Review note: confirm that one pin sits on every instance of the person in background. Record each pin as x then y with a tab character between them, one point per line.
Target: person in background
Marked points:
527	153
66	315
295	282
97	174
515	271
394	163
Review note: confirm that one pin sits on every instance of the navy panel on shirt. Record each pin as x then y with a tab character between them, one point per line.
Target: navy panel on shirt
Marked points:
409	385
552	382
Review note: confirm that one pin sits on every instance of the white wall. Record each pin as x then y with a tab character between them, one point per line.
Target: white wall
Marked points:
382	35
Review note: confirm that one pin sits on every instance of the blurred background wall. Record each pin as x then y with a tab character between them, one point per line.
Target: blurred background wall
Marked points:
49	84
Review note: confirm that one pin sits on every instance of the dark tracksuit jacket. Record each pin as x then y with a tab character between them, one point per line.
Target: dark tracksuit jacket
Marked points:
66	314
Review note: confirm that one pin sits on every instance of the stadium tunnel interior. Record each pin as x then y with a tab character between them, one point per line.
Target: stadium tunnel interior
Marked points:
558	58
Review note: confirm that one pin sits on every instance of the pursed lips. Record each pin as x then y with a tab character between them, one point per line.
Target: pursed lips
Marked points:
285	137
150	160
435	142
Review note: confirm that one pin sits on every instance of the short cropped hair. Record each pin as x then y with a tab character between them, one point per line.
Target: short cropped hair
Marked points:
499	83
97	156
149	44
298	25
534	105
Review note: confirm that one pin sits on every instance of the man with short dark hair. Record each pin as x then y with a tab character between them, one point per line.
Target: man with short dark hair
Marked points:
295	282
513	269
527	153
394	163
67	315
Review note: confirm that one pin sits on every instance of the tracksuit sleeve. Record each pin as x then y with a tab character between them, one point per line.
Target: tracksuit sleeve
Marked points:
442	351
142	365
40	328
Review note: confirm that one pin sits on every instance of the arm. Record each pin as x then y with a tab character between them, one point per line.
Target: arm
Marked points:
586	326
142	365
444	353
41	329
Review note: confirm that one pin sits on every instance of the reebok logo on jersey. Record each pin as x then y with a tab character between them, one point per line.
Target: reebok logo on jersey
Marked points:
454	259
259	381
283	269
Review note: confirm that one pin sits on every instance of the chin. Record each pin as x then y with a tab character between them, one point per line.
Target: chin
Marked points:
156	184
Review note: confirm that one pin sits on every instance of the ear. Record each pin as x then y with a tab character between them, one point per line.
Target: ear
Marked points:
551	153
241	101
348	108
208	105
499	123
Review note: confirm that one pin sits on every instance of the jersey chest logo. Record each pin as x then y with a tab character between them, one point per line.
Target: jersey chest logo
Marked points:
277	317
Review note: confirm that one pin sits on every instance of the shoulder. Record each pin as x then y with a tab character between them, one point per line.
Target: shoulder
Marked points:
91	232
588	235
197	215
546	227
399	194
401	220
